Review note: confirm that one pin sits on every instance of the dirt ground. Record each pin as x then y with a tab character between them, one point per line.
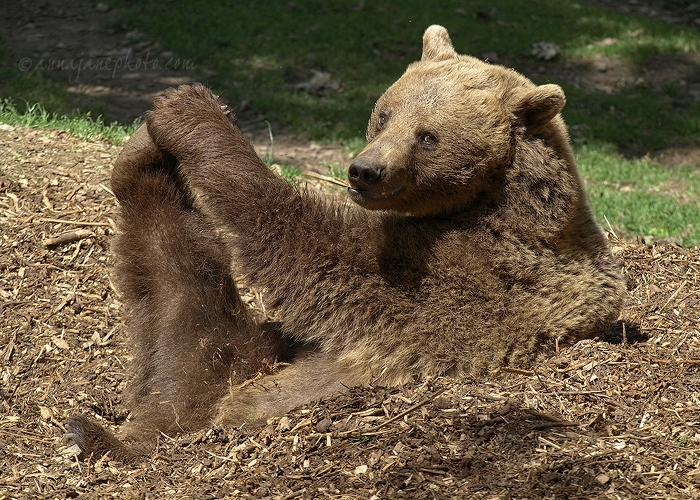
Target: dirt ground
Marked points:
617	417
609	418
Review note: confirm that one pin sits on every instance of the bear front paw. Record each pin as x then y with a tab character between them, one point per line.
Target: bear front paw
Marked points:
183	119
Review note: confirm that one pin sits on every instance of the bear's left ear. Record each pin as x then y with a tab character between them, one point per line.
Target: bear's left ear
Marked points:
437	45
537	107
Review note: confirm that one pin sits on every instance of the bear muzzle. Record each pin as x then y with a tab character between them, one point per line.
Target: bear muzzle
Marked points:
370	184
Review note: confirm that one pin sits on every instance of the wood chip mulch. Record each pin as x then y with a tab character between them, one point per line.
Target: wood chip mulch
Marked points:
617	417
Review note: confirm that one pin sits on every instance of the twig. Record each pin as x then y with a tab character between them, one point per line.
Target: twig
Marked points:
491	397
68	237
679	361
298	493
76	222
27	435
546	425
225	459
433	471
612	231
546	416
673	296
574	367
572	393
517	371
332	180
3	305
270	151
108	190
411	409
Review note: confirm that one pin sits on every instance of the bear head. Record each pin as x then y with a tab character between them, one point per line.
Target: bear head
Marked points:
444	133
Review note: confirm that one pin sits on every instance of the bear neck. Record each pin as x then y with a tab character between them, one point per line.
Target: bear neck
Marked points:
543	196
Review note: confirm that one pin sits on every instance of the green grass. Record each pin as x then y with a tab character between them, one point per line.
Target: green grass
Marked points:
334	169
32	99
640	198
638	119
290	173
259	50
81	125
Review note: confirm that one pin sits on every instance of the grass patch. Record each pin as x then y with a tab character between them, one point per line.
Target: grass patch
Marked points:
27	88
30	99
640	198
334	169
636	119
81	125
290	173
261	50
632	38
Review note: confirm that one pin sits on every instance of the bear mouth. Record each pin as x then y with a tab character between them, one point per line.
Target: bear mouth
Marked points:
368	198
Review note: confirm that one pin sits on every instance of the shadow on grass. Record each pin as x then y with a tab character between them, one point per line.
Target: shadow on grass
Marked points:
262	53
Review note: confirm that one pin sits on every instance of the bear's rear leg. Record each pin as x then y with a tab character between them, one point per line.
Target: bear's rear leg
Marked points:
190	333
93	439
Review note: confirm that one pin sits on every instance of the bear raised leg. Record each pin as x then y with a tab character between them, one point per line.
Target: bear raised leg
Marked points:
190	333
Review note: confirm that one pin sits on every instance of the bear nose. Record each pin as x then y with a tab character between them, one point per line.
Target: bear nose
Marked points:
363	174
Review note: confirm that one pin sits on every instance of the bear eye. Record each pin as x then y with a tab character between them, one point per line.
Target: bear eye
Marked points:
427	139
381	121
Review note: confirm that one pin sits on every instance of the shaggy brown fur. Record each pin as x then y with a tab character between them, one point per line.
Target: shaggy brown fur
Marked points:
478	249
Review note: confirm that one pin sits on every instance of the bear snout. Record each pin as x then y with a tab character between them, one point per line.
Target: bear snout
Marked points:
364	174
375	185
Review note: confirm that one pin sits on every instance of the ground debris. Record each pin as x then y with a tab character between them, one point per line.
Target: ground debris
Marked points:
617	417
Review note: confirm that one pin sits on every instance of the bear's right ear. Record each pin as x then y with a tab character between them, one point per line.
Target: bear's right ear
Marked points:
437	45
537	107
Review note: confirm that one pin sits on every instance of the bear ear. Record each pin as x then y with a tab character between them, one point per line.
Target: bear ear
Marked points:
437	45
537	107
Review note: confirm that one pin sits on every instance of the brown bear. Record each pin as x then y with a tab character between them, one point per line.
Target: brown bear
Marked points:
472	248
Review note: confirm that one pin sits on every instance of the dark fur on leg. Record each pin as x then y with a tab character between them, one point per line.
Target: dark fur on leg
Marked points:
190	333
95	440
